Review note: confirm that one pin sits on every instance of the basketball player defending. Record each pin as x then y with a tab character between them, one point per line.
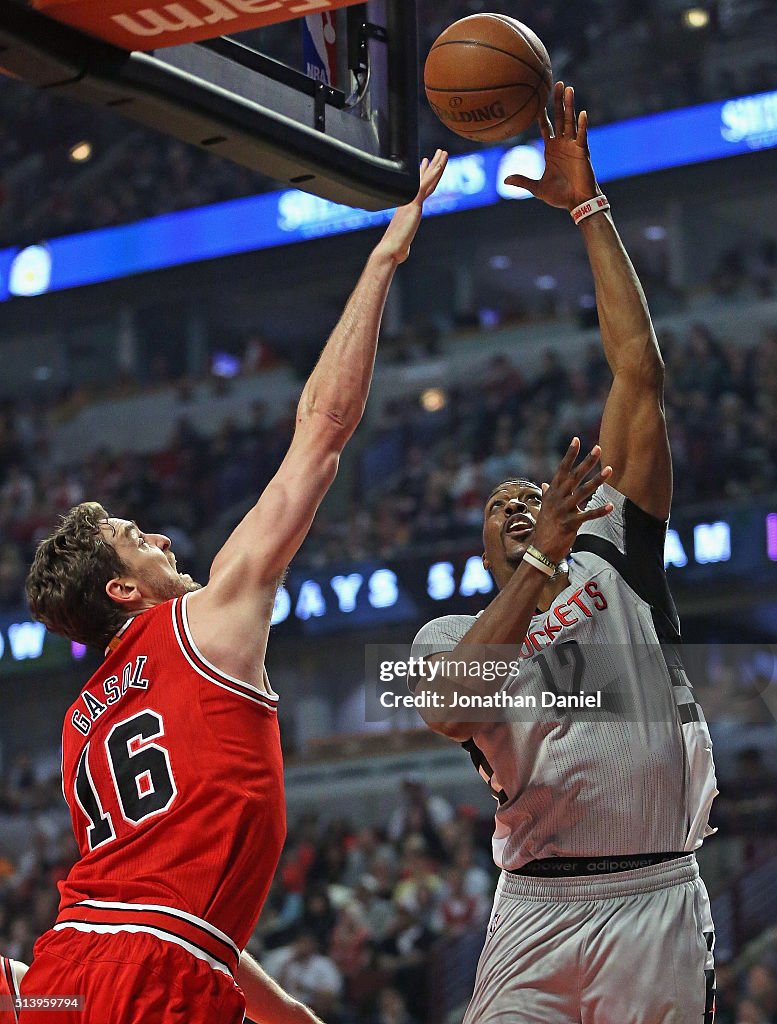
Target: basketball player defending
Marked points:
11	974
600	916
171	755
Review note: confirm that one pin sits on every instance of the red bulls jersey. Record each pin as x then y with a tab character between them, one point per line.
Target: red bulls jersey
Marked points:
173	774
9	992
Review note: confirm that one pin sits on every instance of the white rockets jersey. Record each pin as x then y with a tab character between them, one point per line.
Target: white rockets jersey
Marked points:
637	779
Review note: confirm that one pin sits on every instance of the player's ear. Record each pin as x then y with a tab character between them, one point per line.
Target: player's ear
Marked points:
485	561
123	591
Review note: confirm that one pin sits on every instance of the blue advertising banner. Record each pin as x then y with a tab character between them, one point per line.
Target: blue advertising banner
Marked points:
640	146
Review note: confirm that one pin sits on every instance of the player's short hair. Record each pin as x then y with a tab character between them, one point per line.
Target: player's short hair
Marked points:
66	582
521	481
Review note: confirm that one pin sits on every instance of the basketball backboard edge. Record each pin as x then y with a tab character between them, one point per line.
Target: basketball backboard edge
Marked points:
201	96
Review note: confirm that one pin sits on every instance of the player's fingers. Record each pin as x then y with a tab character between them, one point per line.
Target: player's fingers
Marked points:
593	513
558	108
521	181
582	129
584	467
586	489
437	168
569	484
570	121
567	462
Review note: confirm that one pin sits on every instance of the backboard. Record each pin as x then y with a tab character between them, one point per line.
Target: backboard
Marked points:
355	142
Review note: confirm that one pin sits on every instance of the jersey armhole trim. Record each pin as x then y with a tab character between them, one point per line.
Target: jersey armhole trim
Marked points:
207	669
11	982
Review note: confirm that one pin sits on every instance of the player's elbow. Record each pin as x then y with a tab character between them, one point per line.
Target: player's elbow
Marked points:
332	423
643	367
459	732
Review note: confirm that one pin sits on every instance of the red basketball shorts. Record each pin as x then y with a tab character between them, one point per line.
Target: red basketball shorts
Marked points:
126	978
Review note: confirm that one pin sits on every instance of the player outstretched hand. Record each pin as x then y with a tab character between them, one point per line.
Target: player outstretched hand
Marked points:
405	222
564	499
568	179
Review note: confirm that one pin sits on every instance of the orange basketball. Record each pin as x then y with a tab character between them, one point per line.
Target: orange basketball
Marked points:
487	77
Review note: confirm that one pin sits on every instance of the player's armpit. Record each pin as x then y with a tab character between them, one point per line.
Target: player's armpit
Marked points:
635	443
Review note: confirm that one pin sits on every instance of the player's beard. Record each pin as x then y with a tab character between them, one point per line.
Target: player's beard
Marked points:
168	587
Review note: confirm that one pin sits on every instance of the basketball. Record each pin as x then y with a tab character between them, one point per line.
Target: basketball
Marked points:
487	77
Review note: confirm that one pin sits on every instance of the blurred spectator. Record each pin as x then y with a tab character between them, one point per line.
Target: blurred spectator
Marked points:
308	975
419	812
747	804
761	988
404	953
458	911
391	1008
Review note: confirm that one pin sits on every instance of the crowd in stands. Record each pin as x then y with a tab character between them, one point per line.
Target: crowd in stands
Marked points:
721	410
422	475
362	923
137	173
353	914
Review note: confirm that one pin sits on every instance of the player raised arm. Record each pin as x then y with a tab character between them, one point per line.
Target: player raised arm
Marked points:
633	435
246	571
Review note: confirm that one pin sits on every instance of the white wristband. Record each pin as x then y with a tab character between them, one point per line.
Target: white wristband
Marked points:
539	565
589	208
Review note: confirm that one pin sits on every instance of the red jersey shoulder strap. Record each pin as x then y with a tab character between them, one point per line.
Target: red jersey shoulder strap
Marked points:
206	669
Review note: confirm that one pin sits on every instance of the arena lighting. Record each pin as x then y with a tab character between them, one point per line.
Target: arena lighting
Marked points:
712	542
674	138
696	17
500	263
433	400
314	600
25	640
545	282
30	271
674	552
771	536
441	580
80	152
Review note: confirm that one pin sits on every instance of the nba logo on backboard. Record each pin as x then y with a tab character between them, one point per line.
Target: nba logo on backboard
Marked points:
320	47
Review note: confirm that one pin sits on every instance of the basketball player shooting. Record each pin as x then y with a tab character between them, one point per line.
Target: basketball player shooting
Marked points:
171	755
600	916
